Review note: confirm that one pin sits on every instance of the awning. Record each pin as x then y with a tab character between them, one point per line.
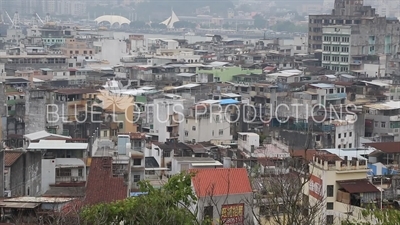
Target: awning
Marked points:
18	205
358	186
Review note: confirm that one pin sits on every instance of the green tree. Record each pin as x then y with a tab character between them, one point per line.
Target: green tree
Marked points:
167	205
289	27
371	216
158	26
259	21
185	24
138	24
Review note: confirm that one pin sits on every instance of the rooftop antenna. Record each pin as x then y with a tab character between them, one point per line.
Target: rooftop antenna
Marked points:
34	20
16	20
47	18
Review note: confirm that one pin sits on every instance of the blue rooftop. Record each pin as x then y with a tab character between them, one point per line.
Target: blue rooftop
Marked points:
228	101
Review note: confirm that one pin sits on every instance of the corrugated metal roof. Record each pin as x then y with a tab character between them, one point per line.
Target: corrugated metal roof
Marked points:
18	205
42	134
322	85
57	144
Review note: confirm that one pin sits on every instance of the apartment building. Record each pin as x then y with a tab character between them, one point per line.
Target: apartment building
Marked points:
375	34
339	182
62	162
208	121
336	48
168	115
382	119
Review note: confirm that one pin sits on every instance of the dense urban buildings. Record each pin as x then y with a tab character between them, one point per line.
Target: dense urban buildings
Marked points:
303	129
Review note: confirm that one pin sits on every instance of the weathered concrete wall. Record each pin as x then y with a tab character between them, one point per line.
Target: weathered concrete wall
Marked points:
25	176
17	184
3	98
299	140
2	170
33	165
35	111
37	117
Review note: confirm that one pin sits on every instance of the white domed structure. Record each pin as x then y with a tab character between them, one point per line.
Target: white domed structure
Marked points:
120	20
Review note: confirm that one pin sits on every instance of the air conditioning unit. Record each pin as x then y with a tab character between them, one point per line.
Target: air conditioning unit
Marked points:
74	179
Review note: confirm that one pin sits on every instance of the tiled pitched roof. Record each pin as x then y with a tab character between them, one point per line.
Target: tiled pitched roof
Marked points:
386	147
358	186
101	185
221	181
10	157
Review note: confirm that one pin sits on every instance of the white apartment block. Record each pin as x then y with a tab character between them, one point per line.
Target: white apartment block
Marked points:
336	48
345	133
168	115
210	126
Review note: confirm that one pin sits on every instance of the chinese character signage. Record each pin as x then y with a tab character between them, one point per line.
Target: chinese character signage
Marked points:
233	214
315	187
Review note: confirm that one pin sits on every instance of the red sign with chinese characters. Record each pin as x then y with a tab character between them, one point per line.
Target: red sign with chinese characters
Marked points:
233	214
315	187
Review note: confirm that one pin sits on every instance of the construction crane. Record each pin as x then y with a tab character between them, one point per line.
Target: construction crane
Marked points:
9	17
40	19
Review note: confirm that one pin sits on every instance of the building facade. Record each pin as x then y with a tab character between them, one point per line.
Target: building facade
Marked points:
336	48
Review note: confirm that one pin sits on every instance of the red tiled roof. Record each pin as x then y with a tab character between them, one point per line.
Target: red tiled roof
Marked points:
101	185
386	147
358	186
10	157
222	181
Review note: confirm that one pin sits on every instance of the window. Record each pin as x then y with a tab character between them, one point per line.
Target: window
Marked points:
350	145
314	97
63	172
167	154
339	135
136	178
339	146
137	162
376	123
121	125
221	132
329	190
329	205
350	134
329	219
186	133
194	128
208	212
383	124
80	172
344	135
298	48
105	133
150	172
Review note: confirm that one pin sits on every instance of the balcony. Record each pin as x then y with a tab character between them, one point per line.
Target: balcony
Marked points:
336	96
395	118
69	179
